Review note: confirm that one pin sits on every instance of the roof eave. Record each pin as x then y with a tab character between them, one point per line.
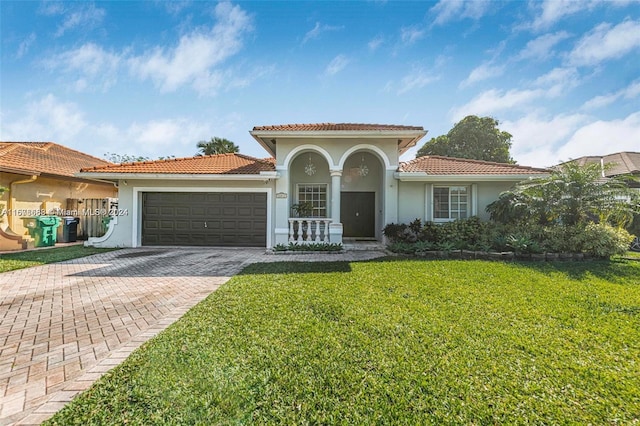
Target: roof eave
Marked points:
268	146
177	176
265	137
425	177
19	171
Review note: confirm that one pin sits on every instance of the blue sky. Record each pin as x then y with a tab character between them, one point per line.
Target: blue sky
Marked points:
154	78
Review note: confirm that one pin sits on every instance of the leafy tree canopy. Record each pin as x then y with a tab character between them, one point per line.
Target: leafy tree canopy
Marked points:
473	137
124	158
570	195
216	146
127	158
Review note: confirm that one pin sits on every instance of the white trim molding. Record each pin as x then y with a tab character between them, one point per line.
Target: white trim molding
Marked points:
365	147
307	147
424	177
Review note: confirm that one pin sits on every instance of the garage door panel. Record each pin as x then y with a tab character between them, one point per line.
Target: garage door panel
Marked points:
204	219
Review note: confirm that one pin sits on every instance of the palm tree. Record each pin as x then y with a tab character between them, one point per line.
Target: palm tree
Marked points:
217	146
572	195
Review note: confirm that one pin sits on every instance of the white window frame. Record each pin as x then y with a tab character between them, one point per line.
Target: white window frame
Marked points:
326	200
469	201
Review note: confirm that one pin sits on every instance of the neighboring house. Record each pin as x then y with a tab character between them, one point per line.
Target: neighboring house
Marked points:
621	163
40	178
347	176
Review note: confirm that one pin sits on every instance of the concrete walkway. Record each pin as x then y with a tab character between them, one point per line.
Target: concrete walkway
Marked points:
63	325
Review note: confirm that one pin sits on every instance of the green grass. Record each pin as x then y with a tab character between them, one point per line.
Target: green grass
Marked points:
390	342
26	259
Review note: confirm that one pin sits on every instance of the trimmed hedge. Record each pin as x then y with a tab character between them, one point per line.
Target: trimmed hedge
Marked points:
595	239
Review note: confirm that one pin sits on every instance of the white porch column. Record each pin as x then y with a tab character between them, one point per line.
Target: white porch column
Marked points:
335	228
282	208
335	195
390	197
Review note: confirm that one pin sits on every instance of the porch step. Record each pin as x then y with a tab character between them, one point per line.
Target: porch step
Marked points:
363	245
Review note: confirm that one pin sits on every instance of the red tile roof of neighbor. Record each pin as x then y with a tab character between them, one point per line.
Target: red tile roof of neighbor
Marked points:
439	165
207	164
336	127
44	158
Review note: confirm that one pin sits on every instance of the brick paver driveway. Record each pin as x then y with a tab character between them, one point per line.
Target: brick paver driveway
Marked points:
63	325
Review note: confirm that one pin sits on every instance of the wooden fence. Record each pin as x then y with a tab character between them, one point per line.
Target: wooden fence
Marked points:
91	211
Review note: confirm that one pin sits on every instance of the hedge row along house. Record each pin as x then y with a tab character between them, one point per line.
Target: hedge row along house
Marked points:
323	182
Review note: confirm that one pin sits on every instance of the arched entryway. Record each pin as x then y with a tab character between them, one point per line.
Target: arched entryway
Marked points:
361	198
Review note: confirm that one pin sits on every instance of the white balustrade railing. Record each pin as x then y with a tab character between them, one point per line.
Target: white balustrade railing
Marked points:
309	230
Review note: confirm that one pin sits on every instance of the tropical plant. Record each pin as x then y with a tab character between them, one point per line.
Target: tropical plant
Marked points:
304	209
572	194
216	146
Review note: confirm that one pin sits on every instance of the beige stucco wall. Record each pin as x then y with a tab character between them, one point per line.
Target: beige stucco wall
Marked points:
125	234
336	149
45	194
414	199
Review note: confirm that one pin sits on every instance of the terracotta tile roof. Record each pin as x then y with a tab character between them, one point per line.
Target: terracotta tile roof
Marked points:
439	165
623	162
208	164
335	127
44	158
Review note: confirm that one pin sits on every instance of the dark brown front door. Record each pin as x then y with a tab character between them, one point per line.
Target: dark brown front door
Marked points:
204	219
358	214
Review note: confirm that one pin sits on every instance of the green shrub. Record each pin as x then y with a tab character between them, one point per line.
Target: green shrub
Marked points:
394	232
308	247
602	240
422	246
402	247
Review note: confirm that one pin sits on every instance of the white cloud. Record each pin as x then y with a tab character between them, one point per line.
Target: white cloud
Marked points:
606	42
336	65
193	60
417	79
86	16
558	81
552	11
96	66
46	119
632	91
317	30
546	141
536	138
24	46
542	47
410	35
375	43
50	8
603	137
160	134
491	101
483	72
451	10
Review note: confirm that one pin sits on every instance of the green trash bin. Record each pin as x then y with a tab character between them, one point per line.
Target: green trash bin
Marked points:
42	229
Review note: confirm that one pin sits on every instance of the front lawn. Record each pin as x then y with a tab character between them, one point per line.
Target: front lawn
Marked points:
390	342
26	259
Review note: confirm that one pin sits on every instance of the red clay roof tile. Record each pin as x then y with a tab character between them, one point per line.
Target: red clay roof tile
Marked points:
208	164
440	165
44	157
335	127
